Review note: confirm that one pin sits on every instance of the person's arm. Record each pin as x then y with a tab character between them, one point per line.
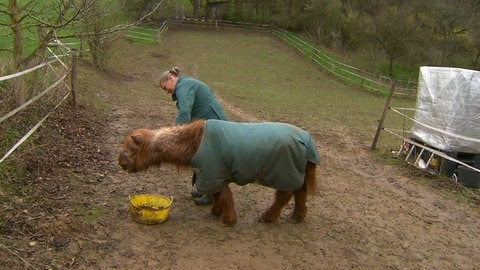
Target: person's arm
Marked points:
185	100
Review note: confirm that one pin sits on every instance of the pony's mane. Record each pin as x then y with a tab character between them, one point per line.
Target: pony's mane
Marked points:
177	144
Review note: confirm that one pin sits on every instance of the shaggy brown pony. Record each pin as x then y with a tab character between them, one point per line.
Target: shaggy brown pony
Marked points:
178	145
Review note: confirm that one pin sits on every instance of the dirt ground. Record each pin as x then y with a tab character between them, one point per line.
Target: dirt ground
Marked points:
366	215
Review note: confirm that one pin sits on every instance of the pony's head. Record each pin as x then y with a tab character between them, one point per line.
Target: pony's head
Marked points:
134	153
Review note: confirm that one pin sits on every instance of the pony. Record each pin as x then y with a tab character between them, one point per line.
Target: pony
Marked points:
277	155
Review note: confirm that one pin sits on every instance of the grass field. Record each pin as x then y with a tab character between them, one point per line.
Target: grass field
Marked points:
262	74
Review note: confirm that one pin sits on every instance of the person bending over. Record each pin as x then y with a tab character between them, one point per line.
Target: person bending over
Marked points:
194	100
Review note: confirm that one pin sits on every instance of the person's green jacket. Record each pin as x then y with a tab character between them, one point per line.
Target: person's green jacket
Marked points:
195	100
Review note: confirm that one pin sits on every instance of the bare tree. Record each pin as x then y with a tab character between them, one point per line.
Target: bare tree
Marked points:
472	45
388	27
101	26
196	4
43	17
99	30
472	37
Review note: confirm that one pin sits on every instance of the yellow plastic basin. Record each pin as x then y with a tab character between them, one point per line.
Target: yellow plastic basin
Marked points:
150	208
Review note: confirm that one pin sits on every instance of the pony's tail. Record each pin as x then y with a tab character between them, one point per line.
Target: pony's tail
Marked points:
311	178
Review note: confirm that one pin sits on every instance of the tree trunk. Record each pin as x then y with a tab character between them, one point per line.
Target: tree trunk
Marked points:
196	7
15	14
390	66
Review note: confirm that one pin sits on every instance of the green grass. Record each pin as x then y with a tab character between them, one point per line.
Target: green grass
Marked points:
348	73
265	76
143	35
400	71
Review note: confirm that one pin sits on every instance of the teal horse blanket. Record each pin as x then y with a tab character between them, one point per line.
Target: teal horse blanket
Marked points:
270	154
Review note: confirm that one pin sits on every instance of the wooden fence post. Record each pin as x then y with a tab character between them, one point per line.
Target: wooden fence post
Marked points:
73	77
379	84
363	79
81	47
384	114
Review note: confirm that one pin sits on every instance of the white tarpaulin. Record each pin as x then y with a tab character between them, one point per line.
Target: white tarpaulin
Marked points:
448	109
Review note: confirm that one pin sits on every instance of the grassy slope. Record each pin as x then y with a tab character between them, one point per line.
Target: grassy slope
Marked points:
264	76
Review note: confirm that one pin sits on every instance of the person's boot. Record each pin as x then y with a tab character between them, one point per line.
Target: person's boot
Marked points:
203	200
196	194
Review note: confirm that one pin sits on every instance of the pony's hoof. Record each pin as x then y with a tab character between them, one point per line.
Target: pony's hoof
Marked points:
228	222
294	220
265	219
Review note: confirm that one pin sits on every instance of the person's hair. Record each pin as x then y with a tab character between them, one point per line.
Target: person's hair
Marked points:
175	71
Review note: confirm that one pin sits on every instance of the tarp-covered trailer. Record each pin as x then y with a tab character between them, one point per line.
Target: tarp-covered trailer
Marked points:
447	123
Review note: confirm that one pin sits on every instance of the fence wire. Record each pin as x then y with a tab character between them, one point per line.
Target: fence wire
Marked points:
45	89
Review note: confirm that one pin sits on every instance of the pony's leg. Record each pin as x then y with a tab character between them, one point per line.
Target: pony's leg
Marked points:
223	206
300	209
216	207
272	214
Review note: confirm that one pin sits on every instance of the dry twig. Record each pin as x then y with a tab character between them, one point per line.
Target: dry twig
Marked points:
12	252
